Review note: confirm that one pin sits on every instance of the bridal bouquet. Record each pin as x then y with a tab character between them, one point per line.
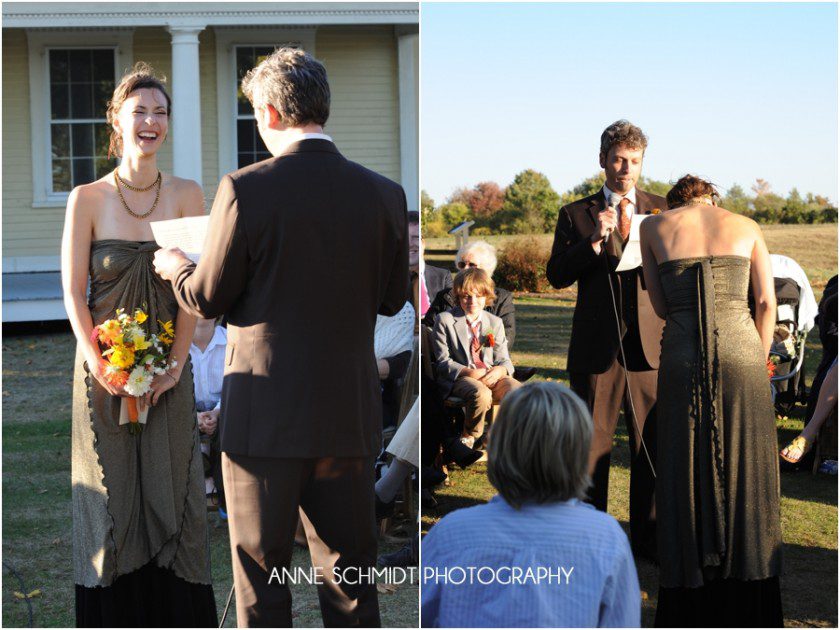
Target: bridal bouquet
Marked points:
132	357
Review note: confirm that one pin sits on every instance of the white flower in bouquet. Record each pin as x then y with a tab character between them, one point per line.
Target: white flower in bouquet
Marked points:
139	381
790	346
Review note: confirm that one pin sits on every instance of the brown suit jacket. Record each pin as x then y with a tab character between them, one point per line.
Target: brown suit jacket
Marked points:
594	342
302	252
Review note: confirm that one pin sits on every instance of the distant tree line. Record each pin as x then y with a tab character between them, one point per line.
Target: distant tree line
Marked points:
529	205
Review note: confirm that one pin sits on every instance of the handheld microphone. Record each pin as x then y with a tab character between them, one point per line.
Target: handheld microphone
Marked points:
612	204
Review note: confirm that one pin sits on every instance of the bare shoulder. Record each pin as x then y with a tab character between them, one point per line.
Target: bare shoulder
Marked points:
739	222
189	194
86	198
651	224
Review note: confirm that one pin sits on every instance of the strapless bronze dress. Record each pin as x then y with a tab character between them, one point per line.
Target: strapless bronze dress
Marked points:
717	485
140	552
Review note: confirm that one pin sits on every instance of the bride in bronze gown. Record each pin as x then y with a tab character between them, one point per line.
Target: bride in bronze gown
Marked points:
140	545
717	478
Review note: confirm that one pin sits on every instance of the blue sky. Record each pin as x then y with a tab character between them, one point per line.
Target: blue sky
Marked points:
731	92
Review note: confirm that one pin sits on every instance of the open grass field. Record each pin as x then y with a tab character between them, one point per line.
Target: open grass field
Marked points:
37	517
809	503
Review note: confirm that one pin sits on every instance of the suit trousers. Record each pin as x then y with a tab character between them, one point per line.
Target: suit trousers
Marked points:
334	498
479	399
606	395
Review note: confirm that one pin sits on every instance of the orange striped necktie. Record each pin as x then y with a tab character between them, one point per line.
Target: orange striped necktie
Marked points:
623	218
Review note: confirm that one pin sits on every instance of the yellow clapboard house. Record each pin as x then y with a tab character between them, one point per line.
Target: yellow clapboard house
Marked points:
60	64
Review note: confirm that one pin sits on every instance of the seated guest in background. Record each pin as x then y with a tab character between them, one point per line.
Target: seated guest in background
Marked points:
433	280
405	448
482	255
393	340
470	352
825	408
207	353
537	459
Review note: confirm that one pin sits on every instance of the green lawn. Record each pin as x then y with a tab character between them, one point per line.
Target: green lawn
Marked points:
809	503
37	516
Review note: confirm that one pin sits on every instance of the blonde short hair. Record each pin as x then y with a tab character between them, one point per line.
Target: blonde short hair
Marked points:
476	281
538	448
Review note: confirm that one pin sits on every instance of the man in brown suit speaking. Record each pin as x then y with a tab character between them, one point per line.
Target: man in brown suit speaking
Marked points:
606	318
302	251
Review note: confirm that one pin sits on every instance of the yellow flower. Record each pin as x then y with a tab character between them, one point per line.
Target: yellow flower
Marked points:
122	357
140	342
167	334
140	316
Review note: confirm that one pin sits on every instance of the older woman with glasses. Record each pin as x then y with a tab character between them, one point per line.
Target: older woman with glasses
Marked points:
535	555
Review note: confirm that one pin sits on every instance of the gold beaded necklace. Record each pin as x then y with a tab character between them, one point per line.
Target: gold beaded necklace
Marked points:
158	182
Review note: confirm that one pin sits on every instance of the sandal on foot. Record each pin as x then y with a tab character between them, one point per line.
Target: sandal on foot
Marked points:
798	445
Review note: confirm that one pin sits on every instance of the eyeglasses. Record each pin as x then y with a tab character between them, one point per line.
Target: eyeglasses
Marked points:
464	265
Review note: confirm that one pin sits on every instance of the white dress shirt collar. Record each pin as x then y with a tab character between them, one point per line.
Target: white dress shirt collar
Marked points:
219	339
314	136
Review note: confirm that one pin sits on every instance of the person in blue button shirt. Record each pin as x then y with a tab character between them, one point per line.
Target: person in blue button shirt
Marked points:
535	555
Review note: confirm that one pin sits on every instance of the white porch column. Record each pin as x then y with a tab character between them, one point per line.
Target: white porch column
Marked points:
408	47
186	102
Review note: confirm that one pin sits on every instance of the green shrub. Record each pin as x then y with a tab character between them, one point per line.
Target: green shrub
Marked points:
522	266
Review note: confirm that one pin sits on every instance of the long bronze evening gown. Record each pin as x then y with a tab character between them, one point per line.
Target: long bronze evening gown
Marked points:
140	546
717	486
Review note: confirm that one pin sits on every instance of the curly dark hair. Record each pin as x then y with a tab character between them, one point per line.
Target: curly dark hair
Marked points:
622	132
690	187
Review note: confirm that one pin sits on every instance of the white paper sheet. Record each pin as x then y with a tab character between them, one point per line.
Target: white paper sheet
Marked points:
187	234
632	256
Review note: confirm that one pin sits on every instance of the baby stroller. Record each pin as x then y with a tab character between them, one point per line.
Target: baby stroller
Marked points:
796	309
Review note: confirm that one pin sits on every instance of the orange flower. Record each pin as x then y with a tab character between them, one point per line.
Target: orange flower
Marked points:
656	211
491	340
771	368
114	376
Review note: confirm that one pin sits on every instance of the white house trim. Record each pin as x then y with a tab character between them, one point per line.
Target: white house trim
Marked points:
39	42
86	14
186	102
407	40
226	41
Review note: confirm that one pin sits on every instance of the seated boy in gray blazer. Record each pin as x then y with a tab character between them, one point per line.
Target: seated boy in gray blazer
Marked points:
470	351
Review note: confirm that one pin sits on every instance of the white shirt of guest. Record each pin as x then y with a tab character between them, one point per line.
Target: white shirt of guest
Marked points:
631	197
209	370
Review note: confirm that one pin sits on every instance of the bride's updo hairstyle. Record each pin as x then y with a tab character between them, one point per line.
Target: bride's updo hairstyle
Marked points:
140	76
691	189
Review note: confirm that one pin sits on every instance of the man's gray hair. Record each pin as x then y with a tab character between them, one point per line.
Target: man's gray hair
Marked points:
623	132
538	448
294	83
483	249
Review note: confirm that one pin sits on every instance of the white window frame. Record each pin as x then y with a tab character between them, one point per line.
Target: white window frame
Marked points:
40	42
227	39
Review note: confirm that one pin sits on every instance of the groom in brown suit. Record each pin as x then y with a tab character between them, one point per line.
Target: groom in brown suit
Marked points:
303	250
598	372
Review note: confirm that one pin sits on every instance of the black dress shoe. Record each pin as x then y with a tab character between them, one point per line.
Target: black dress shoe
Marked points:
405	557
460	453
522	374
431	477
